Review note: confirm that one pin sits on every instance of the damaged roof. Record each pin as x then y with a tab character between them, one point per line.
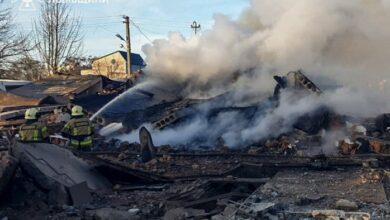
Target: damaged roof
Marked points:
58	87
11	100
136	59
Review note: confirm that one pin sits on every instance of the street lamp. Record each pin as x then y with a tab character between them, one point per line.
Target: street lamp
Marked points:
120	37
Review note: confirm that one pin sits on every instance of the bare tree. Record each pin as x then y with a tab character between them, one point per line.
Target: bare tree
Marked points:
12	44
26	68
58	34
74	65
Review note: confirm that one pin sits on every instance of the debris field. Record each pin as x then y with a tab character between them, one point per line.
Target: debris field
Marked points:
300	173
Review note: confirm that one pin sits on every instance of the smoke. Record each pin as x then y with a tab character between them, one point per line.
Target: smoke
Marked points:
330	139
336	42
344	40
357	102
236	128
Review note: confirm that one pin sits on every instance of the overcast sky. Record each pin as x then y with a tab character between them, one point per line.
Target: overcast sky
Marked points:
156	18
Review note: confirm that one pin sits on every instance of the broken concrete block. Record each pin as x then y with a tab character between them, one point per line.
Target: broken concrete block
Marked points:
347	205
301	201
113	214
262	207
133	211
58	195
340	215
80	194
328	214
54	168
183	213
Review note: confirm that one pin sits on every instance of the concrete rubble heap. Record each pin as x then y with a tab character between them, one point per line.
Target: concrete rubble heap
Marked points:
287	176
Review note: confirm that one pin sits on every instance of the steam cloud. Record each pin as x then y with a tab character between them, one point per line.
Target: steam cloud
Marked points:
343	43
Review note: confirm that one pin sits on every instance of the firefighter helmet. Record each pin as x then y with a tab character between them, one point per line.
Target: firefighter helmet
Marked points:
31	113
77	110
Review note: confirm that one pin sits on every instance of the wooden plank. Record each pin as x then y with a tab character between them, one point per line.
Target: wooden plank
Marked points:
18	113
12	122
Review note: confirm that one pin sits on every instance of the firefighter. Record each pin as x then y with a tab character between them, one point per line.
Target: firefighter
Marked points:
79	130
32	130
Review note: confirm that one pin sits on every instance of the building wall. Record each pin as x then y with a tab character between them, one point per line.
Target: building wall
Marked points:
112	66
113	70
88	72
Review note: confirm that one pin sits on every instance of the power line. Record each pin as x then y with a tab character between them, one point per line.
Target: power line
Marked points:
152	31
101	23
139	29
162	25
176	21
98	17
103	28
144	19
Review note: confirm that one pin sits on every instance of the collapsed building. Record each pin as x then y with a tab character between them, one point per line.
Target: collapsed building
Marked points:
148	106
281	176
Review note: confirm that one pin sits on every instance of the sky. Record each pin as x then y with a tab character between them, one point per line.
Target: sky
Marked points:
102	19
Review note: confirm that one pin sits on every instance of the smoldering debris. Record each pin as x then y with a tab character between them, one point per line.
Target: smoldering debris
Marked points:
217	158
201	122
212	132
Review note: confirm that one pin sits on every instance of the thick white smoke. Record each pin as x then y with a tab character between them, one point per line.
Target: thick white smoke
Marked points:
344	43
344	40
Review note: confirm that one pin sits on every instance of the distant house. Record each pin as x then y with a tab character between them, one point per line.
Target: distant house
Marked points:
113	65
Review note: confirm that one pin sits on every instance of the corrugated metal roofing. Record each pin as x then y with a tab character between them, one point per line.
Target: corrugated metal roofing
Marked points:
57	86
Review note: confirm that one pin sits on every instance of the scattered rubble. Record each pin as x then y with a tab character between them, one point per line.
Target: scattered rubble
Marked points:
286	176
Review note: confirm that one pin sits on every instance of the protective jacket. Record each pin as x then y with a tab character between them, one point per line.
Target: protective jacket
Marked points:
33	132
79	131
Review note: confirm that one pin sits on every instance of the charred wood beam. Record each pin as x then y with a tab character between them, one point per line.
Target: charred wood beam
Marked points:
19	113
146	176
239	180
144	187
263	162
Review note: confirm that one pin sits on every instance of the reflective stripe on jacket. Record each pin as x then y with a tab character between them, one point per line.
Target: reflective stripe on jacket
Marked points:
86	143
34	132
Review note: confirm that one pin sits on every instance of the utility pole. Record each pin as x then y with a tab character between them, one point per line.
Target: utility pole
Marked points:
195	26
128	45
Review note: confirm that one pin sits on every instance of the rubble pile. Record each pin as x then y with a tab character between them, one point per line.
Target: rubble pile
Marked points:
290	175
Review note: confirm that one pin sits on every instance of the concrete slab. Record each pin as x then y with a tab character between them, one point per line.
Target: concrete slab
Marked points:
80	194
49	164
